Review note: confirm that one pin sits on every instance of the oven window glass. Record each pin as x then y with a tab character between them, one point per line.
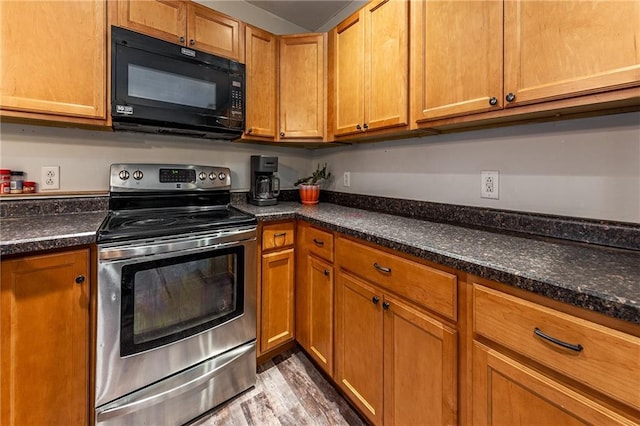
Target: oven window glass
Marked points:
149	83
167	300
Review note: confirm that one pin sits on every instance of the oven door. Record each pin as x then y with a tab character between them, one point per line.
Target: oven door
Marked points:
166	305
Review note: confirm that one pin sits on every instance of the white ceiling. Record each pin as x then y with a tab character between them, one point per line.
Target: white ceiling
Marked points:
309	14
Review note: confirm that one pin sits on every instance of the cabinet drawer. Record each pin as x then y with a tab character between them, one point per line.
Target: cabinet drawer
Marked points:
607	360
277	235
320	243
426	286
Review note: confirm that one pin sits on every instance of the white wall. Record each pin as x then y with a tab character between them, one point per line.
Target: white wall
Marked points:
84	156
585	168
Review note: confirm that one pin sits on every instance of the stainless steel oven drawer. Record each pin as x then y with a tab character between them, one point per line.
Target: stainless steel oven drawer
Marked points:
186	395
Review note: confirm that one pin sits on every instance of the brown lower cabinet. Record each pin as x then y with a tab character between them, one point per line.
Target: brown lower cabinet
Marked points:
276	291
396	362
44	358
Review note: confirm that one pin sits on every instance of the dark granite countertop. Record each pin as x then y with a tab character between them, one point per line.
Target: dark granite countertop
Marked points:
597	278
34	233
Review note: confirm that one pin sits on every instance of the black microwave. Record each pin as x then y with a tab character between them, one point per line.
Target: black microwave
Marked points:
161	87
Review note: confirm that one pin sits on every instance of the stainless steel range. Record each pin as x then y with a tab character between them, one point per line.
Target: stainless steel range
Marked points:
176	315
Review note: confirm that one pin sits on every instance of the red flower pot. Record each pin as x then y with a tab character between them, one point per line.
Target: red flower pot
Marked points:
309	194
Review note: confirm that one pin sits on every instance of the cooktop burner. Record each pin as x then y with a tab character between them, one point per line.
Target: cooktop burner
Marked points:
128	225
160	200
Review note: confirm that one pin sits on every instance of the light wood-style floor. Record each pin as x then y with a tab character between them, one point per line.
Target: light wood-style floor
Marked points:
289	391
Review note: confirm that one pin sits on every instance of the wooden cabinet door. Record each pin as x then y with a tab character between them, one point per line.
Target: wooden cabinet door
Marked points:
45	340
359	328
456	58
261	48
213	32
558	49
386	65
320	290
277	322
506	392
163	19
348	75
302	87
53	59
420	359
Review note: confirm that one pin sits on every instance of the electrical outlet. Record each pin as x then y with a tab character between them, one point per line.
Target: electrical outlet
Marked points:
346	179
490	184
50	177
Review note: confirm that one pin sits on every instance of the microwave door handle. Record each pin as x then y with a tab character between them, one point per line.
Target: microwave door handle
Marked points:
155	394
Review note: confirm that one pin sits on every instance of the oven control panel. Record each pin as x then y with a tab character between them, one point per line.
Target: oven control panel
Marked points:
168	177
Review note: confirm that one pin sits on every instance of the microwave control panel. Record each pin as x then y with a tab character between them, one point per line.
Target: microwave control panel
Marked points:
237	100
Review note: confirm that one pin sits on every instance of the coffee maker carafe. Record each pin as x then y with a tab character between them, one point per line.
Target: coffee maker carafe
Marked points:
265	187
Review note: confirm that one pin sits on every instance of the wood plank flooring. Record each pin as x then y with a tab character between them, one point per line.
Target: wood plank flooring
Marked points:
289	391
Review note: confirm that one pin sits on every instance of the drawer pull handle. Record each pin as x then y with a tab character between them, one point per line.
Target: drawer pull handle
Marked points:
381	268
577	348
281	234
319	243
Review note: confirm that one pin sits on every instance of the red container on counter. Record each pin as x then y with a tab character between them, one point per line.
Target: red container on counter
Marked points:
5	181
28	187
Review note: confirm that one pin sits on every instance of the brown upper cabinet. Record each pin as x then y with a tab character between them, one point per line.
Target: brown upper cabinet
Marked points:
557	49
301	88
186	23
53	61
369	66
261	50
456	58
553	50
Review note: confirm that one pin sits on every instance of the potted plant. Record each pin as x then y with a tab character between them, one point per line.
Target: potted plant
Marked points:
310	186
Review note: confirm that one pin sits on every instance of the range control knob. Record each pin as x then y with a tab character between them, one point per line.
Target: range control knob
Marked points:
137	175
212	176
202	175
124	175
222	176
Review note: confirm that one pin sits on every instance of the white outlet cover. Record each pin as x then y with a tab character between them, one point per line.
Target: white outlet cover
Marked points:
490	184
346	179
50	178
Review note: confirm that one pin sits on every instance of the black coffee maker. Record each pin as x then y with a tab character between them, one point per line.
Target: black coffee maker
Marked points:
265	187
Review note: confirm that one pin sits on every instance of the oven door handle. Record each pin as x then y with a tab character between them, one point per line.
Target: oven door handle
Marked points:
197	377
207	242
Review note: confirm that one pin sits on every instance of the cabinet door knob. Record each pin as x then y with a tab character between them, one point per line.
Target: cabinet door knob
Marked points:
282	134
375	300
510	97
385	305
192	42
80	279
181	39
493	101
365	126
326	272
358	127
